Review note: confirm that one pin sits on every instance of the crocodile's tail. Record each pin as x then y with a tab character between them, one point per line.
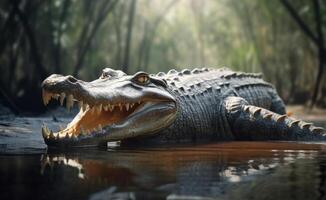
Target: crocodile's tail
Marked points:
255	123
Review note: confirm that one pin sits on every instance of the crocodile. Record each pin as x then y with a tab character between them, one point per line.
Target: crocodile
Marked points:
188	106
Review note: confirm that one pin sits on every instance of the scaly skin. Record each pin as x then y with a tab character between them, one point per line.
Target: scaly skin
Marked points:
187	106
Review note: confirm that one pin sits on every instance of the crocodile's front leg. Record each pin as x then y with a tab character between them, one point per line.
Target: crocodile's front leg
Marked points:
249	122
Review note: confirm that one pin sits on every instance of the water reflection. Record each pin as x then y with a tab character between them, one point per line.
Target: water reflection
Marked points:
237	170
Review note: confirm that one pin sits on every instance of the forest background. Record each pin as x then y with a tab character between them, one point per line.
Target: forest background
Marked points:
283	39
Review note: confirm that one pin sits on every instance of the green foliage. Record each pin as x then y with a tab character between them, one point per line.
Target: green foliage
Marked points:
82	37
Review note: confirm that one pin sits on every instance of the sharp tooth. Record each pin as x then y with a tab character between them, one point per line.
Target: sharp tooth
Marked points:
111	107
132	105
139	102
51	135
99	127
127	106
46	96
57	136
56	96
80	104
106	107
70	101
67	135
62	97
99	109
45	133
85	106
120	106
47	130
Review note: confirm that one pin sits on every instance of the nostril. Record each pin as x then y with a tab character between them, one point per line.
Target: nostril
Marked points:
72	79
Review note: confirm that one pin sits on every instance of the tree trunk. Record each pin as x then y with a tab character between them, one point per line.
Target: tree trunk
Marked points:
104	11
32	41
132	9
317	40
152	32
57	51
117	21
321	53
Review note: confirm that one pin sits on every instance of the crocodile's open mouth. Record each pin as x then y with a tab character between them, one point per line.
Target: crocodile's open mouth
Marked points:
91	117
114	107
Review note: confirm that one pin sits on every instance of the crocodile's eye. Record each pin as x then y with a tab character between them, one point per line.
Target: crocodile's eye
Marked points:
141	78
105	75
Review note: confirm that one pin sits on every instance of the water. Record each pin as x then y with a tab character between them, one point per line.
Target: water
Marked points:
233	170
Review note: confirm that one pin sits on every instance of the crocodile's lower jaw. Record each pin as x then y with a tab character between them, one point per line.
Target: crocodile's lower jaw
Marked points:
90	118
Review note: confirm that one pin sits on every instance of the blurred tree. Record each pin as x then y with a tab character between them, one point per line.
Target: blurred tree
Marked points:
129	35
34	50
150	31
317	38
41	37
91	26
117	21
57	49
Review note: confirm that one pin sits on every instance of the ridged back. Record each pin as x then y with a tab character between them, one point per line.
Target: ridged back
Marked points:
200	94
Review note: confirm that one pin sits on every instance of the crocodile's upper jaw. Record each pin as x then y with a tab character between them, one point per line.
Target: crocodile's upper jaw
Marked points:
114	107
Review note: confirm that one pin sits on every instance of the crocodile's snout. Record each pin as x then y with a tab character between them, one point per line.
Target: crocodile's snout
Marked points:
59	86
112	107
57	82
